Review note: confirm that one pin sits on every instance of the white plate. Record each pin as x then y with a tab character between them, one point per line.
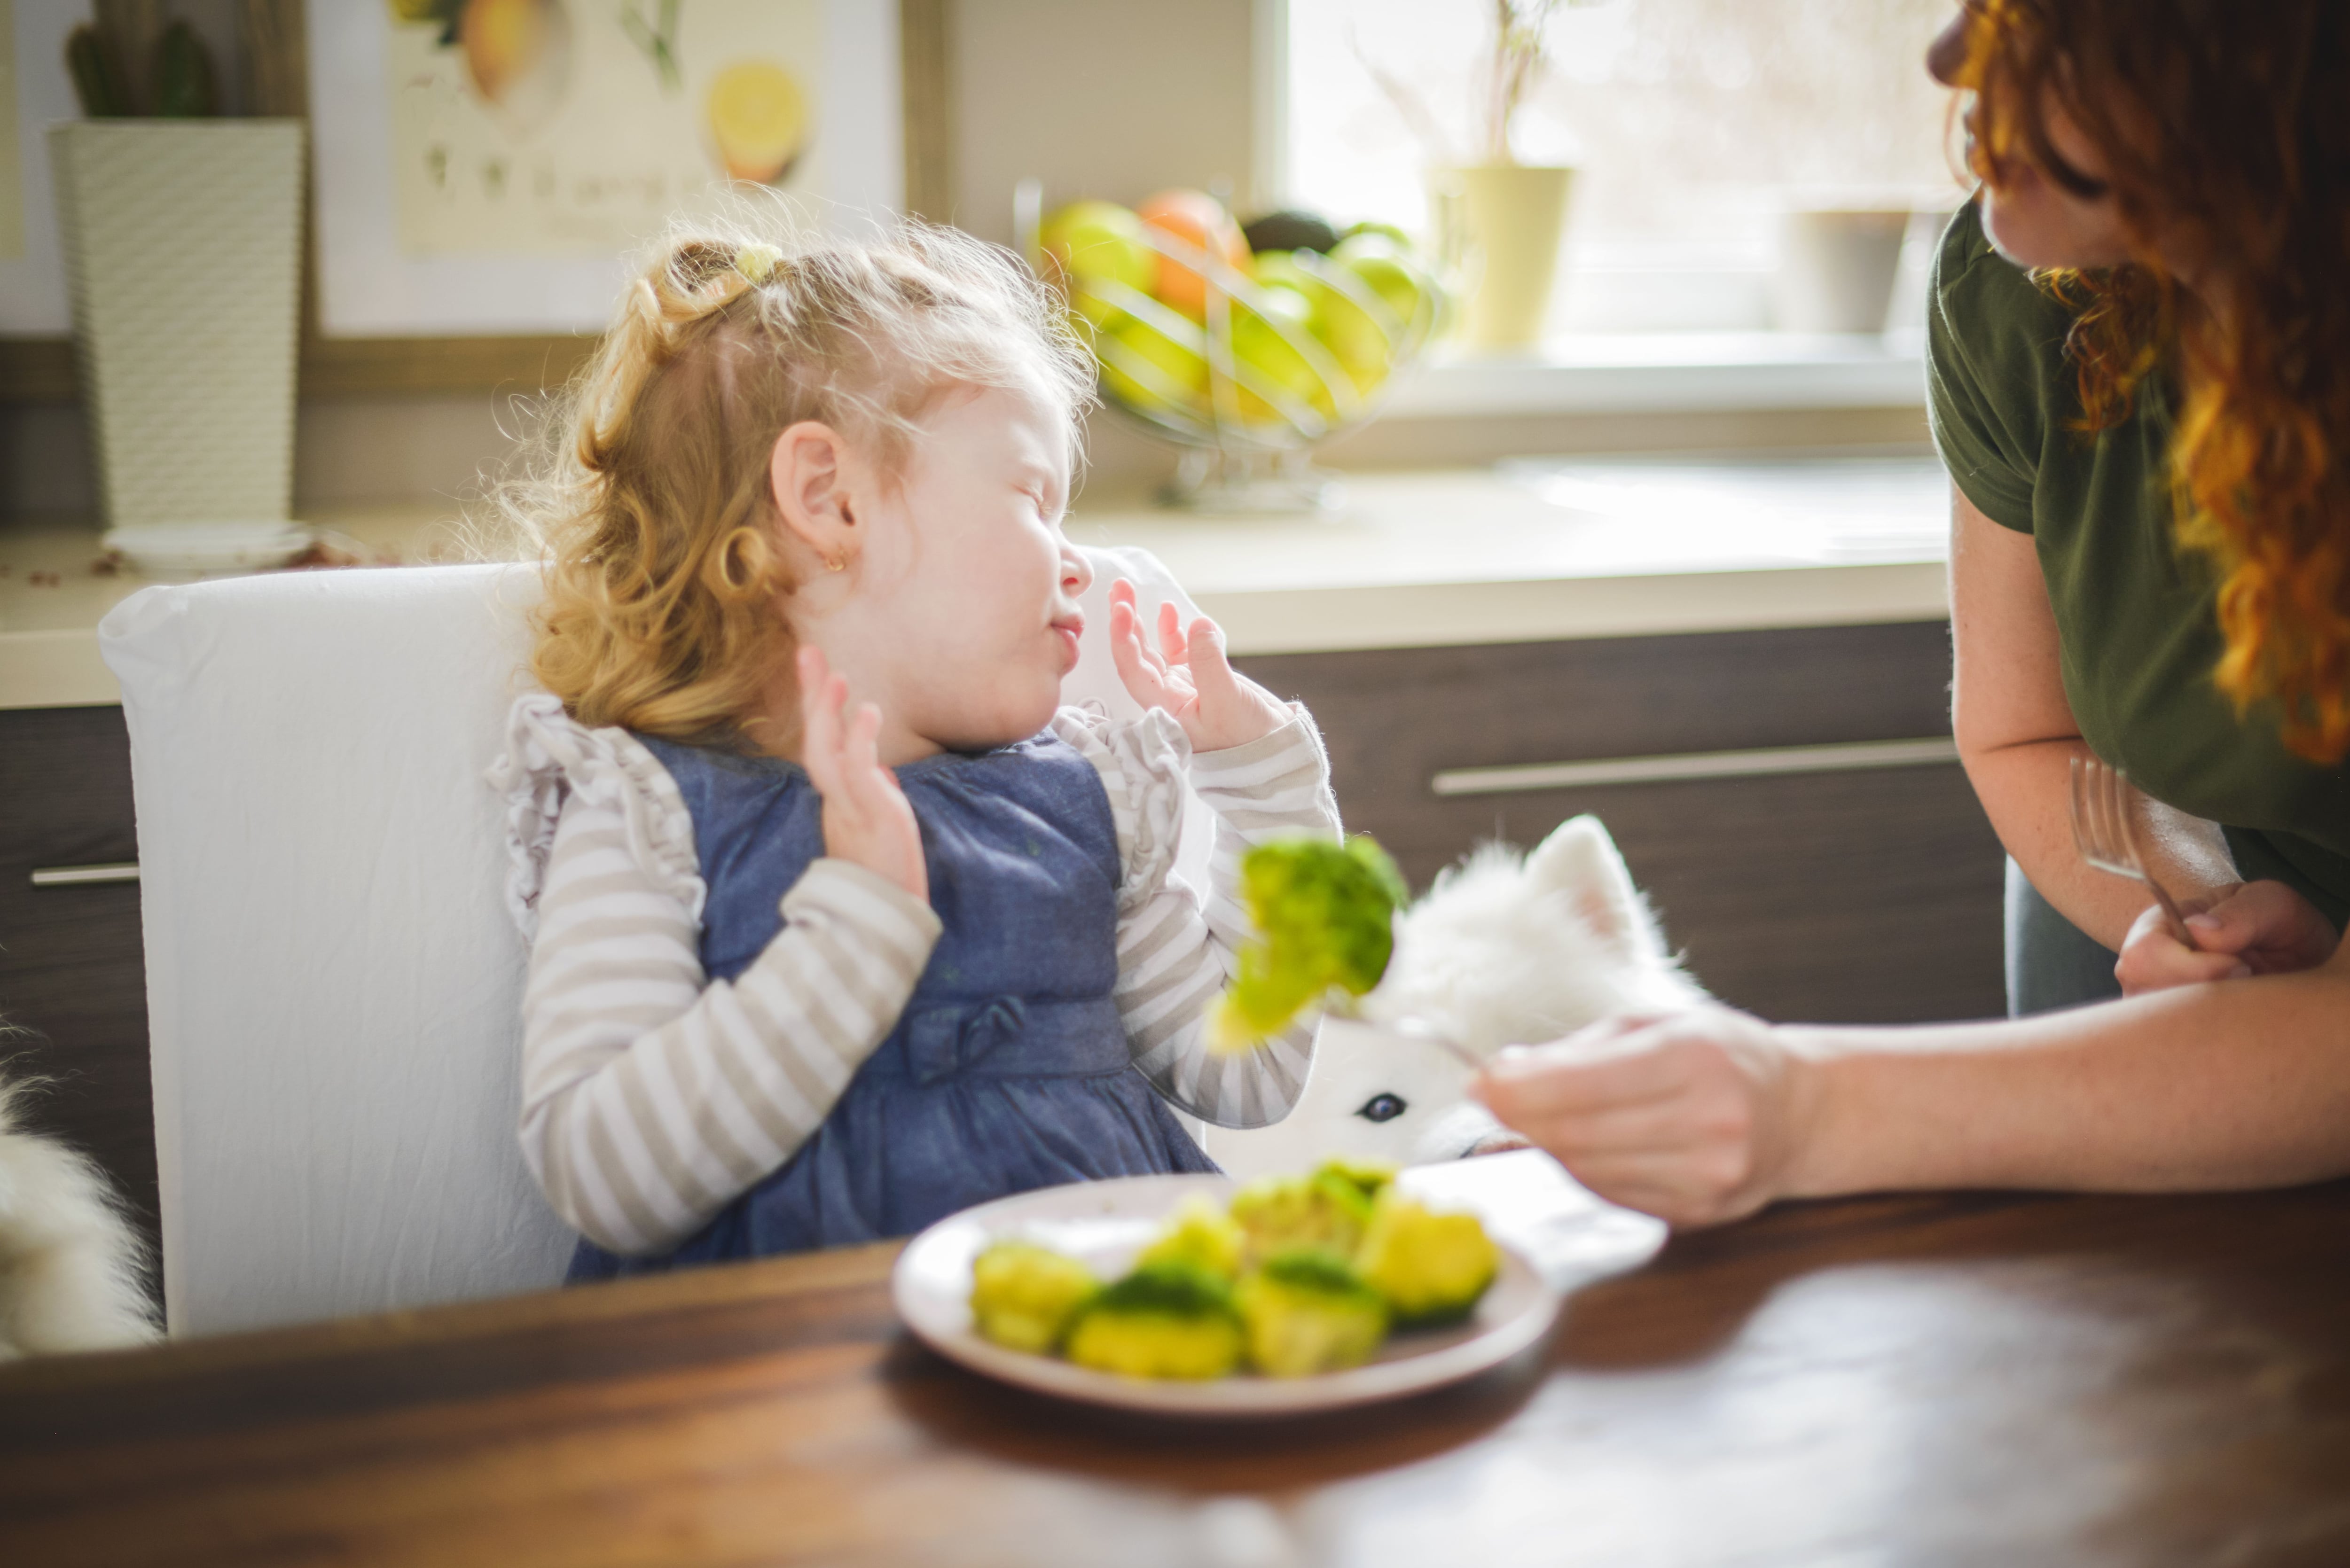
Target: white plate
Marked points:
207	549
1106	1223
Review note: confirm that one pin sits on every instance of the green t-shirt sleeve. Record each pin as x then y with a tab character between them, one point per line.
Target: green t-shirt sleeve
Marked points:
1984	395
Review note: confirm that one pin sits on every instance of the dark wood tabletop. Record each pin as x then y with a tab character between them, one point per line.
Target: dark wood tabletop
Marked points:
1974	1379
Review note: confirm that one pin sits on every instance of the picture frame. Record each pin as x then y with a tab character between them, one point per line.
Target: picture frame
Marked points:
38	367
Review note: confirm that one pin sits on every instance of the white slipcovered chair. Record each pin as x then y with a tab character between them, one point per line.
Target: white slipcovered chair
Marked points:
333	984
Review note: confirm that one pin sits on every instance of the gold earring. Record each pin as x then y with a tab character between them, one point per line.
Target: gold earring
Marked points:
835	564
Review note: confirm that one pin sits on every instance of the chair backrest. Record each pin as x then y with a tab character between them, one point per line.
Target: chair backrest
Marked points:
333	984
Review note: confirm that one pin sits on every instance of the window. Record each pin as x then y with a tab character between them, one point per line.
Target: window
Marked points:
1694	124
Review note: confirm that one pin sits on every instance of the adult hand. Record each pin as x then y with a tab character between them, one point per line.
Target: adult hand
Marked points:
1188	676
867	819
1693	1118
2254	928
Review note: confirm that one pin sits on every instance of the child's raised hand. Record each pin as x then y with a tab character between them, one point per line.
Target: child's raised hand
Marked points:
867	820
1187	675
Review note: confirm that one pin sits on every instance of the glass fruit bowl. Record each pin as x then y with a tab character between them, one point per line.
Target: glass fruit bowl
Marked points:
1243	362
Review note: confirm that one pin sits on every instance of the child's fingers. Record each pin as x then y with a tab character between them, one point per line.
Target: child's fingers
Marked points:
1212	672
1143	680
860	753
813	672
1171	644
820	735
1147	654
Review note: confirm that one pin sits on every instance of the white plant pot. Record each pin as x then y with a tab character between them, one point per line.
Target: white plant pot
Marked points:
182	245
1503	221
1837	268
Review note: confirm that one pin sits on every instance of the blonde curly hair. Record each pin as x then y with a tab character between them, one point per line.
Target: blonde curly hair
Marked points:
650	501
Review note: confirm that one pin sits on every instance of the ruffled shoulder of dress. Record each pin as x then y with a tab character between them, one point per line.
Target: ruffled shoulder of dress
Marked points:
551	756
1143	765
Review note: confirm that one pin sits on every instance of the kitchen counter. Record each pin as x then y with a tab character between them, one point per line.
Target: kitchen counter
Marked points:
1539	551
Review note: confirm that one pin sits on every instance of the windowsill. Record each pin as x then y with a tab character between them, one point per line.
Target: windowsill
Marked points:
1670	371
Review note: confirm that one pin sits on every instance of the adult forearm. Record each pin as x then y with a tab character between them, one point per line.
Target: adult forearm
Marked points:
2025	789
2234	1085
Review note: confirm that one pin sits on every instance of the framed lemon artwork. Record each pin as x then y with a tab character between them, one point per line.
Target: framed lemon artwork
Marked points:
484	166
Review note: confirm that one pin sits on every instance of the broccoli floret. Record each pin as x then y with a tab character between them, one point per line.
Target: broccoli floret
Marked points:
1431	1268
1203	1236
1306	1311
1367	1177
1281	1213
1165	1320
1326	913
1024	1296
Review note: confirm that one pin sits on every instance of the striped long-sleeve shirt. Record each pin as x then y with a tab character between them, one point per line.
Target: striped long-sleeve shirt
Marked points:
652	1097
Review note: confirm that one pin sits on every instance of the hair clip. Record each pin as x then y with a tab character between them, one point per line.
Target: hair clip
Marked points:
757	263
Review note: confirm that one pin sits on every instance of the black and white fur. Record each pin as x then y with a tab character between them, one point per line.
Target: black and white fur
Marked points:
71	1268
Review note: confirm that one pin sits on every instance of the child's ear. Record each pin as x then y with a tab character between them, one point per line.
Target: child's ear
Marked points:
807	478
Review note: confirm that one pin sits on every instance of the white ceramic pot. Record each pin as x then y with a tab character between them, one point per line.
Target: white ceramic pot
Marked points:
1503	221
1837	268
182	246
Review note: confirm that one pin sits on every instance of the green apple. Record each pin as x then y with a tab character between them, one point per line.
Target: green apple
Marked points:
1086	242
1258	346
1281	269
1378	261
1387	231
1151	367
1345	327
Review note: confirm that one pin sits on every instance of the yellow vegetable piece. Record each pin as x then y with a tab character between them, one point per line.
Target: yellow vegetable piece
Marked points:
1431	1268
1284	1212
1203	1236
1164	1320
1024	1296
1306	1311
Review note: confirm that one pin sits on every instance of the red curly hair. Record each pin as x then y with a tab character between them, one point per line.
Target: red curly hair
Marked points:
2226	130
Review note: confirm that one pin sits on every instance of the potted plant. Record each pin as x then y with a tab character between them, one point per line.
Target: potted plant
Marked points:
181	234
1500	219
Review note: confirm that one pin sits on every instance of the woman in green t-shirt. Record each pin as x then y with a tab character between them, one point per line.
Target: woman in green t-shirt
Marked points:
2149	438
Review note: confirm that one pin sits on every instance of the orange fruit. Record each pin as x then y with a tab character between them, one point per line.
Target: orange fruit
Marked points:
1198	219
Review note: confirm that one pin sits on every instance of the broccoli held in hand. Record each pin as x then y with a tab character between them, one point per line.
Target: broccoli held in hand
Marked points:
1282	1213
1203	1236
1022	1296
1325	913
1431	1268
1306	1311
1164	1320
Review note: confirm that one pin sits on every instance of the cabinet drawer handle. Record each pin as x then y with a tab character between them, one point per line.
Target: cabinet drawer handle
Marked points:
75	876
1846	757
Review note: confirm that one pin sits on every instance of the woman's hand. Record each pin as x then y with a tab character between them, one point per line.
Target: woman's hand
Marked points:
1187	675
1694	1118
2253	928
867	819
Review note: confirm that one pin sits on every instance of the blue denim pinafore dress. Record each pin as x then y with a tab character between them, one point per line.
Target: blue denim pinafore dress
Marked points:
1008	1069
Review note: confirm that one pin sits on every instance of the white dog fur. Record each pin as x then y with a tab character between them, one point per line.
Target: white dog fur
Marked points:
69	1265
1504	950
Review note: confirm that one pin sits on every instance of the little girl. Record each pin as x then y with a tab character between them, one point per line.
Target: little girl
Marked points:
839	922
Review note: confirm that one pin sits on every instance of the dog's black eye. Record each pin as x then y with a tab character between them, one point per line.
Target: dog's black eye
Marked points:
1382	1107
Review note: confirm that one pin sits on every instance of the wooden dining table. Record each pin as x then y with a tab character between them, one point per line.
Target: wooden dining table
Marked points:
1997	1379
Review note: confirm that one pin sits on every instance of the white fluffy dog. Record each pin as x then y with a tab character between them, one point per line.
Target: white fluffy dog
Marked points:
1504	950
70	1266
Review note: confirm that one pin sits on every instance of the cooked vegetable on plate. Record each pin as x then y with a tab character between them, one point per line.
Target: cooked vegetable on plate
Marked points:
1297	1275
